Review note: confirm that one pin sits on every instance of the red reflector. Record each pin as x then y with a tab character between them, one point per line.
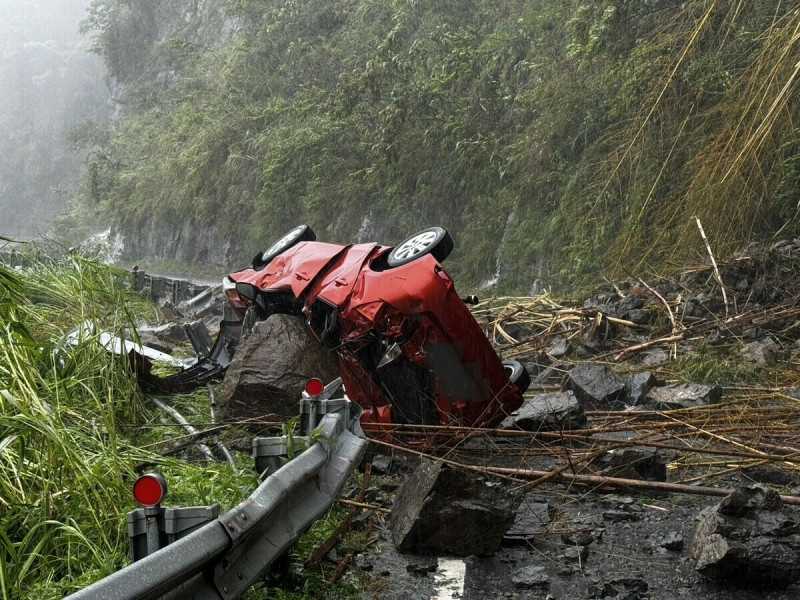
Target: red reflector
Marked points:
149	489
314	387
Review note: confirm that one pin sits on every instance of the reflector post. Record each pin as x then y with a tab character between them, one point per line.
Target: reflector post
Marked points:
314	387
150	489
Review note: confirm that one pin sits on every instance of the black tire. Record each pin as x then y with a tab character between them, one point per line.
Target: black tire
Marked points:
301	233
433	240
517	374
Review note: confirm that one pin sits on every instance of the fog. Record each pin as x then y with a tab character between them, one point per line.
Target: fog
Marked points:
49	85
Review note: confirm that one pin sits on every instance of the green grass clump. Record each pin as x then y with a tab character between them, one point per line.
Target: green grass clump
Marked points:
67	449
721	365
75	431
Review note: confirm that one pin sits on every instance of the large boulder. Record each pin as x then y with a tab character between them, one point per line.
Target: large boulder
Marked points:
750	538
271	367
448	510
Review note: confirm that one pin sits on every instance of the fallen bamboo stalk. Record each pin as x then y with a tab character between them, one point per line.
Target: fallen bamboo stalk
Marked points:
213	412
665	340
363	505
600	481
584	480
186	425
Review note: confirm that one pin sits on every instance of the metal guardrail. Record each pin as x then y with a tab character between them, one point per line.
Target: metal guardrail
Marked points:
221	560
160	288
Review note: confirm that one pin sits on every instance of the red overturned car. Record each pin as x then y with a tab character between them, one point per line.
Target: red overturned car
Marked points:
409	349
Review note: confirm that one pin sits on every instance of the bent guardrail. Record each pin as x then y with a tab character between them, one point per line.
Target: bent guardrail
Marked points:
222	559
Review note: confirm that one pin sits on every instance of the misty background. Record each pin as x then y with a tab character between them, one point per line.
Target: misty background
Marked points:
53	93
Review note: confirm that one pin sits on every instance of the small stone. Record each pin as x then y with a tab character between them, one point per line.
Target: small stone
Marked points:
559	348
530	577
619	516
381	463
577	538
655	358
758	353
422	568
673	542
577	554
365	562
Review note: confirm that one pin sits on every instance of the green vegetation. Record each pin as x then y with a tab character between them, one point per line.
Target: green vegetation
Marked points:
75	431
554	139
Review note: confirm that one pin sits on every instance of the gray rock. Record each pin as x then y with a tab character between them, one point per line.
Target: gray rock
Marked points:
171	333
630	303
655	358
530	577
750	539
365	562
533	516
594	384
691	307
673	542
582	537
271	367
553	411
683	395
633	462
639	316
381	463
638	385
577	554
443	509
559	347
758	353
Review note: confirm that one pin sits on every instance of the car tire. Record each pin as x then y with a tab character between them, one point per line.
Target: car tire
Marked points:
517	374
301	233
433	240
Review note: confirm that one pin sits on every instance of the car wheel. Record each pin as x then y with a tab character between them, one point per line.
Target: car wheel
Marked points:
301	233
517	374
433	240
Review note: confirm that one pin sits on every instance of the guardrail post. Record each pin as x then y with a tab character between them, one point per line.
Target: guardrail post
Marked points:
151	516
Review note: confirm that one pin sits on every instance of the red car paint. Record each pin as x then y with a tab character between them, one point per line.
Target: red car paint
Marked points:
447	372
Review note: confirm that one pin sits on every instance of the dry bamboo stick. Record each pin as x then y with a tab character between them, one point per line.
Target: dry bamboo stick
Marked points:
585	480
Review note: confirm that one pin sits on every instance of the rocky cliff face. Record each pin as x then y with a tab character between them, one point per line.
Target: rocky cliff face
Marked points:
187	242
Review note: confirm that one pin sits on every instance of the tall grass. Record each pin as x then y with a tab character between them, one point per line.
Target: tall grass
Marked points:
62	464
723	119
73	428
68	435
